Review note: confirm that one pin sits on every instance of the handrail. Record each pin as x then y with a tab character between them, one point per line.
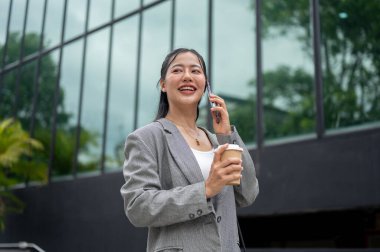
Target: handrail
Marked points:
21	245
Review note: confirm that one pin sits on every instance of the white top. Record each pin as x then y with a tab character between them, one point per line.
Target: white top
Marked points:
204	159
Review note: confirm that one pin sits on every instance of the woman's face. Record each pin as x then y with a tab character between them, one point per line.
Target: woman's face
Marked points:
184	81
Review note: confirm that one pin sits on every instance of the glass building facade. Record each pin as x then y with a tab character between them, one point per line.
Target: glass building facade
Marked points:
81	75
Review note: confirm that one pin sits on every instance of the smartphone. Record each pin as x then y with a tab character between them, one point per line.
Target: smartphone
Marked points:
217	114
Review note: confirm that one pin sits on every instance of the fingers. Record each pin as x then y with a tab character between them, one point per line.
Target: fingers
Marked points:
228	174
218	153
218	101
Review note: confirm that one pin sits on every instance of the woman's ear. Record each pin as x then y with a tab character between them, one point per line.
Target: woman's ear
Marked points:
163	86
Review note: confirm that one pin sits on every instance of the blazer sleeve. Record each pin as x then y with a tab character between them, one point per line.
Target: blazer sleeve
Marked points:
247	191
145	203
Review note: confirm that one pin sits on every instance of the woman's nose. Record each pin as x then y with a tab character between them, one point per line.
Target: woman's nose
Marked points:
187	75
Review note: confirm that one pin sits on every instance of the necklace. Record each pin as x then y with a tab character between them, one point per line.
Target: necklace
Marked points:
187	132
196	137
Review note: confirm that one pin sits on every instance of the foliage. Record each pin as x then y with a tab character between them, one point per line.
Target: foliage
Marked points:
350	53
15	146
20	106
350	32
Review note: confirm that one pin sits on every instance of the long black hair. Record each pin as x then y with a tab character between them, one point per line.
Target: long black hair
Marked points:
163	105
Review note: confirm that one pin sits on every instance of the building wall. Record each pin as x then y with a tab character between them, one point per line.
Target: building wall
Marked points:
315	176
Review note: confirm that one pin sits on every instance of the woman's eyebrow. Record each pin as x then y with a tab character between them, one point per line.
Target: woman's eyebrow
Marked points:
182	65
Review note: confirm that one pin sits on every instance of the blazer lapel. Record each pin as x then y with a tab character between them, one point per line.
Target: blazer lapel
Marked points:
181	152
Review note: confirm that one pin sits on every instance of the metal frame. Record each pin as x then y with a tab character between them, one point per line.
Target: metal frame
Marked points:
34	56
209	56
56	94
5	52
21	56
314	7
172	25
80	103
259	87
108	84
36	80
138	66
318	82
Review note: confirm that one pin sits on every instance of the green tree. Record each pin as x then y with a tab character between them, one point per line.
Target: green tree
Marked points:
15	146
22	109
350	50
296	114
350	32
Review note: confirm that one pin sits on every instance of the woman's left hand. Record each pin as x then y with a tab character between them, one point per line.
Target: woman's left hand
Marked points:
224	126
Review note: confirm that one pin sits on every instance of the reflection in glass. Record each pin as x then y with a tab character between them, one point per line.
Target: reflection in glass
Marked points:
75	18
53	25
93	99
234	63
7	94
44	109
35	15
15	28
351	62
287	69
4	5
33	26
100	13
155	46
68	109
35	167
191	30
21	104
123	7
122	90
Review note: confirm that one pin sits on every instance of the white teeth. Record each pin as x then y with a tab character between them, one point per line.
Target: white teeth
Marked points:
186	88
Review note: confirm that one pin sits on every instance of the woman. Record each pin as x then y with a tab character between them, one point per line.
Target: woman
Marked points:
176	184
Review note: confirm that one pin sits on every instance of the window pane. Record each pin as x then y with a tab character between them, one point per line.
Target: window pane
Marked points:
234	66
75	18
44	109
351	62
67	112
4	5
122	90
53	25
123	7
15	30
100	13
155	46
33	26
191	30
7	94
35	167
23	99
146	2
93	100
287	69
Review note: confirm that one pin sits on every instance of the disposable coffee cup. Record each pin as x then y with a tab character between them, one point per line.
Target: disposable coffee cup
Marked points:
234	151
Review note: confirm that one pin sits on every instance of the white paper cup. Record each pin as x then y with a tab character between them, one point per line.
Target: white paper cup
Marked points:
235	151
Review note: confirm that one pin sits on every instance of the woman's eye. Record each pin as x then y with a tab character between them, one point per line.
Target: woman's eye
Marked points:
196	71
176	70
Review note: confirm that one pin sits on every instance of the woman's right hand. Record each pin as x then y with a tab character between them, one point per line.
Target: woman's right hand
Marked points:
222	172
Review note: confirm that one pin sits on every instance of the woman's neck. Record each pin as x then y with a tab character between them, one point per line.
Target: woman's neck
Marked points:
183	118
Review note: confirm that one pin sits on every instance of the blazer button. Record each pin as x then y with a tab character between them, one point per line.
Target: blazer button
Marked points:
218	219
199	212
191	216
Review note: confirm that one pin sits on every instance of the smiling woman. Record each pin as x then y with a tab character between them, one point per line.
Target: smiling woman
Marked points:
176	180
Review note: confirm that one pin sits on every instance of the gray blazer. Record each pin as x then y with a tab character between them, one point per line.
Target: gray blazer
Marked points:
164	190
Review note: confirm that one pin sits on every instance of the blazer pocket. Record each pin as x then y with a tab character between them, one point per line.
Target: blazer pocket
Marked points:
169	249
